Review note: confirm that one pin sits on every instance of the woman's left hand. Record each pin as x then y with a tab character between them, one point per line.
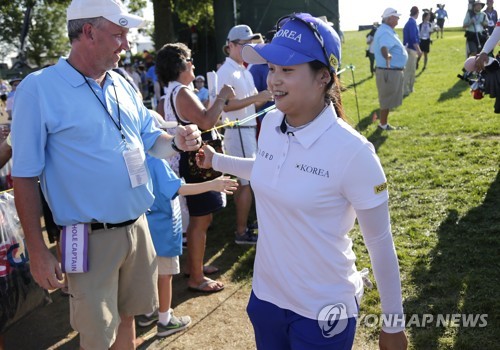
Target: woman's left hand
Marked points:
392	341
204	157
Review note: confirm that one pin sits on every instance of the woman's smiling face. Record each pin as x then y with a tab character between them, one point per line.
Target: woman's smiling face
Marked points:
297	90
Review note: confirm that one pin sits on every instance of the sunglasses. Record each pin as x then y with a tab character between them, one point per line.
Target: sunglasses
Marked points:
190	59
314	28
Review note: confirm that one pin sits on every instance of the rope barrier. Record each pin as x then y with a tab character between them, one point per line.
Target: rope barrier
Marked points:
234	123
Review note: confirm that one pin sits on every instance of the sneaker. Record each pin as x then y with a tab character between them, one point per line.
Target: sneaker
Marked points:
145	320
175	325
247	238
254	226
387	127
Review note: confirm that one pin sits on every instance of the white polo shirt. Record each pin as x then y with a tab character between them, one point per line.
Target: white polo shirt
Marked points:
307	186
231	73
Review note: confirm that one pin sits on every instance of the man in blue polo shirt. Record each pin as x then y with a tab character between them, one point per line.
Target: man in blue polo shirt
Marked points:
390	60
83	130
411	40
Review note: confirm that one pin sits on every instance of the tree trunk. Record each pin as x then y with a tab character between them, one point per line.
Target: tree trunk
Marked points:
164	25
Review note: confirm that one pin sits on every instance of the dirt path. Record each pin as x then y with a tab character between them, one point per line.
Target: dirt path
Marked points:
219	320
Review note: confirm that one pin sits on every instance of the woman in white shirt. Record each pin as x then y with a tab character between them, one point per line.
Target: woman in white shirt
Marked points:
312	176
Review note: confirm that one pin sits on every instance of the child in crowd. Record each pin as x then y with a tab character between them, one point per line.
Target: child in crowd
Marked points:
164	219
425	31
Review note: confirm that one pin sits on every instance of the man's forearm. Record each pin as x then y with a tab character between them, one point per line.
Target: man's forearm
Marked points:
162	148
27	199
235	104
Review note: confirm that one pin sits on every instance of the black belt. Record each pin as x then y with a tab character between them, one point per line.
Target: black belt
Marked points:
100	225
390	68
241	127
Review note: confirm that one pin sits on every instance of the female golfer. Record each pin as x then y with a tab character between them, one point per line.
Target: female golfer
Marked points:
313	175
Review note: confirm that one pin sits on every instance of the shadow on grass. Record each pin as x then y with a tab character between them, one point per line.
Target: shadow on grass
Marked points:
455	91
366	121
461	276
357	83
377	137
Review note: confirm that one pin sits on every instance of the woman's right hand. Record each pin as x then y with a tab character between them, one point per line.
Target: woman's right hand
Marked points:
204	157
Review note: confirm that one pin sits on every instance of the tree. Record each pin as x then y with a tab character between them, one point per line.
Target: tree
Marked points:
47	39
46	32
189	12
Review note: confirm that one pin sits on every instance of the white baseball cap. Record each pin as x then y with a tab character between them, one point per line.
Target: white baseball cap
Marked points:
112	10
200	77
388	12
241	32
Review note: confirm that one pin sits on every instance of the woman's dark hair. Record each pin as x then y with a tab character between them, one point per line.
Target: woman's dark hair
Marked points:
171	62
332	89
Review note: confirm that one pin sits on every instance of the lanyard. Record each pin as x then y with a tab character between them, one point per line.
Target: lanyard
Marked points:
119	124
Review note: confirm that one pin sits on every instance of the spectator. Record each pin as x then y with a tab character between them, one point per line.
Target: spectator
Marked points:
305	273
4	90
123	72
201	91
483	61
425	30
141	70
11	96
175	69
492	16
390	59
154	85
411	41
441	15
240	140
134	75
369	51
82	128
475	23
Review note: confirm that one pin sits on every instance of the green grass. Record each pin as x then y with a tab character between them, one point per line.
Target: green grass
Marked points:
443	172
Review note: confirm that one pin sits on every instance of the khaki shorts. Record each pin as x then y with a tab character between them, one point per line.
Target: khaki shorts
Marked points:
168	265
232	144
122	280
390	88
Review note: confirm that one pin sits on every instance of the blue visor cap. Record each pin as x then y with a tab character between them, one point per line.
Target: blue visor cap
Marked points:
301	38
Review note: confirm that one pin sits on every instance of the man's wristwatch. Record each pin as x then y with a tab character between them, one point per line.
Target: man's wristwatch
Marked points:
174	146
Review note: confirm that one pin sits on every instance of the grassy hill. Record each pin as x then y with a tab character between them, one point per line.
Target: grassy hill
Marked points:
443	171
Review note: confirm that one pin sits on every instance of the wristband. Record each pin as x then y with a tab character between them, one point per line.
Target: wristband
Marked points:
174	146
222	99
